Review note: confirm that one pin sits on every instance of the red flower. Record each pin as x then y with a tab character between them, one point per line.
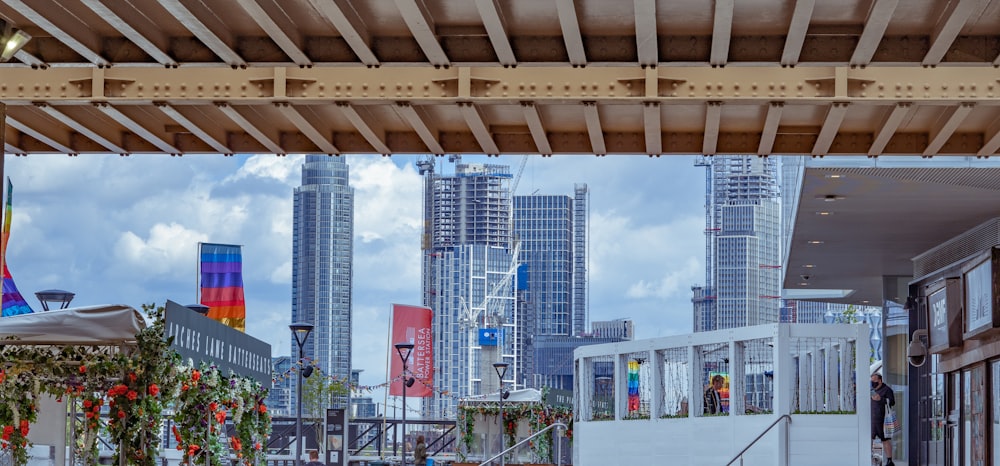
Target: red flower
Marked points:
87	403
192	449
213	406
177	434
7	430
132	395
153	389
83	369
195	375
24	428
262	408
221	416
256	446
121	414
131	377
89	414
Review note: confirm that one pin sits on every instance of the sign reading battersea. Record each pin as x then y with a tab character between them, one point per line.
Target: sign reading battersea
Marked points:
201	339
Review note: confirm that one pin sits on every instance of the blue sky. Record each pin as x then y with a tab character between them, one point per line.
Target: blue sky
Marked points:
124	230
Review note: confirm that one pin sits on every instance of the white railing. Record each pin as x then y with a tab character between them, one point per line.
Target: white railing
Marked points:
630	391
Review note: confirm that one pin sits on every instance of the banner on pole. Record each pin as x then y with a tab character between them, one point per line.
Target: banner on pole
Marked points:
412	324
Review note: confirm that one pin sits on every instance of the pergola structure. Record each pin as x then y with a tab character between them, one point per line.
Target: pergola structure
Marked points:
852	77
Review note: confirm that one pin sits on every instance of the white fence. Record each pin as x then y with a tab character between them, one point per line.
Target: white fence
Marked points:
643	401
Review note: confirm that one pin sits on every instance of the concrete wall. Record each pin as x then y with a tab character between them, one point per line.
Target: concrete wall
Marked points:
814	440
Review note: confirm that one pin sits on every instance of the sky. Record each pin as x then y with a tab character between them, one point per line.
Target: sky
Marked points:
124	230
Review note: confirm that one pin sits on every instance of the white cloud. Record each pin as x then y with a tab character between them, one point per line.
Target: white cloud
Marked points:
124	230
168	247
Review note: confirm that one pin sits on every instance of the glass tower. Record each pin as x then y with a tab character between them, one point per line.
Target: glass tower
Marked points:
468	280
551	281
322	251
743	239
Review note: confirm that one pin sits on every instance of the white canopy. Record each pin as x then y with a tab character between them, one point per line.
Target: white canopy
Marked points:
93	325
527	395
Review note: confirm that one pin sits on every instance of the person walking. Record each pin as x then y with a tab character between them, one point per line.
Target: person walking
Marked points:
420	452
882	395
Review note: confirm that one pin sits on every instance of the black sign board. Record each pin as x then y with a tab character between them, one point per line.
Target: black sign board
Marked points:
201	339
559	398
982	310
944	314
336	437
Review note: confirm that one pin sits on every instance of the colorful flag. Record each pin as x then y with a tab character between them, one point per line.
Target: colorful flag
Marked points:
13	302
633	386
412	324
222	283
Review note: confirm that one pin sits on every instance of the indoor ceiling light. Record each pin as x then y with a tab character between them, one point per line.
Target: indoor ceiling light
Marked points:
12	38
815	241
824	213
809	266
834	175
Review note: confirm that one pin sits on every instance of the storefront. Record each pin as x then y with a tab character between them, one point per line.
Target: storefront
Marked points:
955	384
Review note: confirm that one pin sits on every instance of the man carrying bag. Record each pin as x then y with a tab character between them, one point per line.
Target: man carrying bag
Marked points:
883	417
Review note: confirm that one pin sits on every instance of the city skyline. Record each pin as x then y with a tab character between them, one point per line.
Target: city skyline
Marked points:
129	235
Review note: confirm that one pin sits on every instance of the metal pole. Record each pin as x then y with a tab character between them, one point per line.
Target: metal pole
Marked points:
298	414
403	461
503	428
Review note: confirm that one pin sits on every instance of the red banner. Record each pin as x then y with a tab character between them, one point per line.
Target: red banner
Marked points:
412	324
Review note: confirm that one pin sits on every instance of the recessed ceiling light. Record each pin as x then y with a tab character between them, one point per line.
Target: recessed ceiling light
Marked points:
809	266
803	284
864	302
834	175
815	241
824	213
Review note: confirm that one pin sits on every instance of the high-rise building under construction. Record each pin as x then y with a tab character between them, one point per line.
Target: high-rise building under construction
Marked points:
469	262
743	238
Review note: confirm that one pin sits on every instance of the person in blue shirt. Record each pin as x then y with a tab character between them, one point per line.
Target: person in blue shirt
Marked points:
882	395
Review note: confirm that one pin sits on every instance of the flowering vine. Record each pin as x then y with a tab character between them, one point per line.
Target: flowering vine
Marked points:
134	383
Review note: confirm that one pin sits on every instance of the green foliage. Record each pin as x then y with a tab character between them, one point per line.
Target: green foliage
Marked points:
851	315
319	393
538	417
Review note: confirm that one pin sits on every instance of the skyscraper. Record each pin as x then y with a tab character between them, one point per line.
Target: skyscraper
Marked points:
743	238
322	251
468	269
551	281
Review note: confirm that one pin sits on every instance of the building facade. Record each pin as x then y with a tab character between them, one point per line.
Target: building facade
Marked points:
551	231
469	263
743	233
322	252
279	398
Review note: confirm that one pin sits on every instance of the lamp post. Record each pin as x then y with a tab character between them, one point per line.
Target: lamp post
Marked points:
404	350
60	297
501	368
301	331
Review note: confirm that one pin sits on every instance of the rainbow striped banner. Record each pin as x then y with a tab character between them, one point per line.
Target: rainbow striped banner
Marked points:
633	386
13	302
222	283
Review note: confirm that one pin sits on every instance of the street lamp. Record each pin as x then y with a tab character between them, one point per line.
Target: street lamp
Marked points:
404	350
301	331
501	368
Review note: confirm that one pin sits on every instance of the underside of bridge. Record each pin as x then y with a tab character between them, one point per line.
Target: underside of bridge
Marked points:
839	77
